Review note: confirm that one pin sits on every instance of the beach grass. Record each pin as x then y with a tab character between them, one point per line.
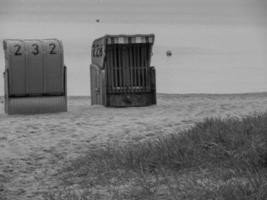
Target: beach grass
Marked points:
215	159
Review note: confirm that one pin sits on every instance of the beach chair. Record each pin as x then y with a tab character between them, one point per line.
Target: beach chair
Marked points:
120	72
34	77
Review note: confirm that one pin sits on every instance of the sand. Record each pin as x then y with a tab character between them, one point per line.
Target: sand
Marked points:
34	147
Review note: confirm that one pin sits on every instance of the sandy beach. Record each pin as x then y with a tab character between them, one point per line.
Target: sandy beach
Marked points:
35	147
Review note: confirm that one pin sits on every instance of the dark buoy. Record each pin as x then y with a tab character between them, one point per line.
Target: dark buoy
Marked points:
169	53
97	21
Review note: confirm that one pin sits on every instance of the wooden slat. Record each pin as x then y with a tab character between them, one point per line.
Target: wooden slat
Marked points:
115	64
110	74
147	66
143	66
91	84
111	70
147	80
120	68
125	66
139	65
134	65
130	67
143	78
108	69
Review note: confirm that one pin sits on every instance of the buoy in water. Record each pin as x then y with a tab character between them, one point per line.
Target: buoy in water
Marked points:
169	53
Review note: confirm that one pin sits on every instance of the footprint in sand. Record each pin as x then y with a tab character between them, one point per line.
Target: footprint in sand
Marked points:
2	188
3	138
187	121
3	178
8	170
32	132
20	191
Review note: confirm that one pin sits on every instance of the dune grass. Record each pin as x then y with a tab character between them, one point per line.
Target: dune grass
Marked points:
216	159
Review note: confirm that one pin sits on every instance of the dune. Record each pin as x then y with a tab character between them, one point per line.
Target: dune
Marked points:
34	147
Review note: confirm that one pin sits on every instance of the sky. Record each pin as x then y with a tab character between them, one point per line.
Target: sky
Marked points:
219	46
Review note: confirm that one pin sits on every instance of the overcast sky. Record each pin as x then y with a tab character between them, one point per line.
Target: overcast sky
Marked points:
219	46
131	11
